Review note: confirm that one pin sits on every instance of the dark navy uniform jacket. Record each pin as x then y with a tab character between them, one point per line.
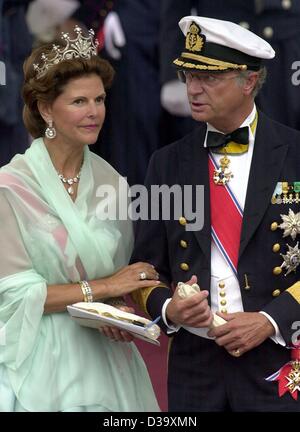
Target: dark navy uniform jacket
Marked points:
276	158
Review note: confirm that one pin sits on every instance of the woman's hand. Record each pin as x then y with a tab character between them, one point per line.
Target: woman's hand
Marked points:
116	334
126	280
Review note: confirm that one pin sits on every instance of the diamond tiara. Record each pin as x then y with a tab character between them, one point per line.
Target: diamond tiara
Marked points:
80	47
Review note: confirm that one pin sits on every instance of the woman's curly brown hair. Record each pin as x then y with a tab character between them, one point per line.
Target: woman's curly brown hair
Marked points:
48	87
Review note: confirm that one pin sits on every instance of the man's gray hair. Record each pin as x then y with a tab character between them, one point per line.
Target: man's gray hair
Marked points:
262	75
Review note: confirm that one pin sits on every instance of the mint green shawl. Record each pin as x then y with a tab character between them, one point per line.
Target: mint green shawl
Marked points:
48	362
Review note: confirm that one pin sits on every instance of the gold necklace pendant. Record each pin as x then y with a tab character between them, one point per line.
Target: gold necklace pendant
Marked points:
222	175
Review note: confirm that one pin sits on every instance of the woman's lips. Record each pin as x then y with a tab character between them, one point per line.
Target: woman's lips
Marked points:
90	127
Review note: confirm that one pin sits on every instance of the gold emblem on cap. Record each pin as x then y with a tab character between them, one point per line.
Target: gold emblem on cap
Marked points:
193	41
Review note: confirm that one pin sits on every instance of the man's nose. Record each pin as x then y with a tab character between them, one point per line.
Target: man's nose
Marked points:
195	86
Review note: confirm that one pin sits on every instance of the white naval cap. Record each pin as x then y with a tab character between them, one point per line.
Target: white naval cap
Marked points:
213	44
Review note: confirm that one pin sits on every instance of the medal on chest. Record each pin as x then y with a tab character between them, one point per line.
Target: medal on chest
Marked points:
223	174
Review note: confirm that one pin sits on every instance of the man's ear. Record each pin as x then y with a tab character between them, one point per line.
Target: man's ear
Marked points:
250	83
45	110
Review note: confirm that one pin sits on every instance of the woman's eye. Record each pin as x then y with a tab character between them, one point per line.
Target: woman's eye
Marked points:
100	99
78	102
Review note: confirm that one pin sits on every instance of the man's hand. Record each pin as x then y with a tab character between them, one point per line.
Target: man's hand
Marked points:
242	332
192	311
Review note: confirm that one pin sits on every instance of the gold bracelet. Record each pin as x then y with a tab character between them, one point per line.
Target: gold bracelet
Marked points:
86	291
83	291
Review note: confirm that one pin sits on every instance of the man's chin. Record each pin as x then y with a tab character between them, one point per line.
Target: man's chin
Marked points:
200	116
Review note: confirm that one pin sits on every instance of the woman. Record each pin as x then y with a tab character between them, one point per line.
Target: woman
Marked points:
58	249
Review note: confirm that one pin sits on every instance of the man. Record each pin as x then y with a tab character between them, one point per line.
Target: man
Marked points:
278	21
245	258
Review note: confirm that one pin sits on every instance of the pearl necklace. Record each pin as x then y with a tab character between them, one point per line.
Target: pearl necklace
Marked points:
70	181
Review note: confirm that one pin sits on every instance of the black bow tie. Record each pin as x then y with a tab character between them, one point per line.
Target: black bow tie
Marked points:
217	139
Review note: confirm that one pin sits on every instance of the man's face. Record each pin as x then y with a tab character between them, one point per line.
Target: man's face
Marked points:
214	97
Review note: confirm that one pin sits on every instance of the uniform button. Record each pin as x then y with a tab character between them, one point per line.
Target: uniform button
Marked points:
274	226
223	302
268	32
286	4
183	244
276	247
245	24
224	310
277	271
221	285
222	294
276	293
182	220
184	266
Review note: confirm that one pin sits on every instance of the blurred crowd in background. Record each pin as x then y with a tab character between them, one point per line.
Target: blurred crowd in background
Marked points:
147	106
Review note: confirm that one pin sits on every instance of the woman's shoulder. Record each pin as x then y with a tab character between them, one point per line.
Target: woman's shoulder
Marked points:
16	168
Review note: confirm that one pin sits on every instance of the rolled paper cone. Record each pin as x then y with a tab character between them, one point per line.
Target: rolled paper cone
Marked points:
186	290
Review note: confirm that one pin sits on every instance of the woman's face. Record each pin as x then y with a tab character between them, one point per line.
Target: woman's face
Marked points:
78	113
